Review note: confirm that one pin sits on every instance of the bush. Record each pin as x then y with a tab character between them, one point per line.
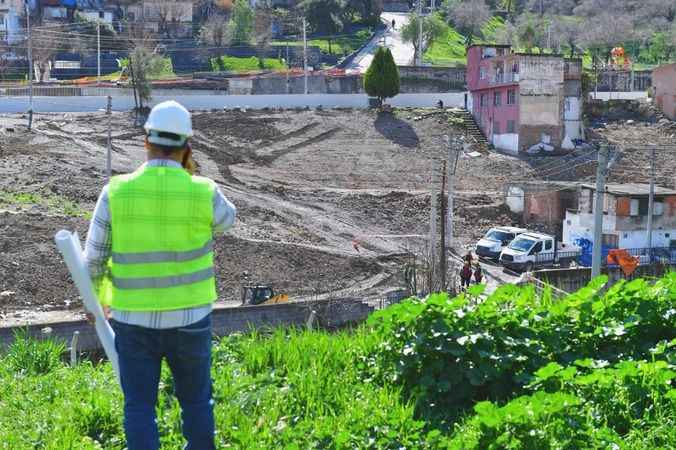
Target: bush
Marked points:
450	353
235	64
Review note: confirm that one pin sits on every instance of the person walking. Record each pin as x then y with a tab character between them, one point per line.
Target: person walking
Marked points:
478	273
150	254
465	275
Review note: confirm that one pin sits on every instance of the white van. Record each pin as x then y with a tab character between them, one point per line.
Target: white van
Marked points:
534	250
495	240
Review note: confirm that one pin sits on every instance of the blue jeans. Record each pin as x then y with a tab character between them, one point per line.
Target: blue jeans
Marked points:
188	353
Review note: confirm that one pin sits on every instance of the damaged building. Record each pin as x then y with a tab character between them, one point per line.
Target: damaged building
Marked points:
524	101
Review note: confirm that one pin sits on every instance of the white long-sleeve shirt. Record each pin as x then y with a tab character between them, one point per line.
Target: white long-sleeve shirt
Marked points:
98	250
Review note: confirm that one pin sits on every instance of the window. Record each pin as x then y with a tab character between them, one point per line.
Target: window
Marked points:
567	104
548	245
484	101
511	97
537	248
643	207
510	126
496	127
610	240
515	68
633	207
482	73
497	99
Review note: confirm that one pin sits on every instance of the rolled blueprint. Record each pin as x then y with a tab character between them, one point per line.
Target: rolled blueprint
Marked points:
69	245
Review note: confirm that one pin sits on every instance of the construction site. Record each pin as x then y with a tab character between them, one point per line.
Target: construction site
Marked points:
330	202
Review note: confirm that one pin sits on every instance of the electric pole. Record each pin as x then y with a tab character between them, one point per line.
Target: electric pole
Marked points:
30	66
453	154
305	53
98	52
442	258
420	32
432	239
288	65
651	201
109	157
601	169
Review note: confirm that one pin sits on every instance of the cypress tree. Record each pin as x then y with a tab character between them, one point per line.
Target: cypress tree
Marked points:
382	77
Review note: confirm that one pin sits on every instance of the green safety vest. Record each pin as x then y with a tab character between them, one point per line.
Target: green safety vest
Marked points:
162	241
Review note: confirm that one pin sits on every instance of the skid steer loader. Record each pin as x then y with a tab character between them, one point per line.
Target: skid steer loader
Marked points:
261	295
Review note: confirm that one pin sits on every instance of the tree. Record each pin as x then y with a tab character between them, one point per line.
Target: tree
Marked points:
368	10
603	32
215	32
565	31
142	64
241	23
557	7
170	14
432	29
507	35
530	32
324	16
382	77
468	17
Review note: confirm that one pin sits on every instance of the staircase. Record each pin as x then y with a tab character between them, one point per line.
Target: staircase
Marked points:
472	128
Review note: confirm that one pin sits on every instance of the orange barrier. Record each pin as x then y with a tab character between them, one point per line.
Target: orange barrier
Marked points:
623	259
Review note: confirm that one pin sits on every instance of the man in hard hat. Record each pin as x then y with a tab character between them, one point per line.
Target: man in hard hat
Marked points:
150	253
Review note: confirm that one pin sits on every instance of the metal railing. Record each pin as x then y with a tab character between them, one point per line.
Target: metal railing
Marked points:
505	78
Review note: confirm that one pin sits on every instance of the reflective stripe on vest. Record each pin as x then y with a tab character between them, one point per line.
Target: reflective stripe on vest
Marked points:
158	257
163	282
162	245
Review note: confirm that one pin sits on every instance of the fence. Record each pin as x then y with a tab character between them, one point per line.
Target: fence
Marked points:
645	255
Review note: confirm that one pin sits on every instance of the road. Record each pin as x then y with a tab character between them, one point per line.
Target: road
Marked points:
390	38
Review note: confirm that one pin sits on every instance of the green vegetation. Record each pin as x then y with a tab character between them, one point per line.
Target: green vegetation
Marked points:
160	68
337	45
235	64
382	77
514	371
447	50
54	204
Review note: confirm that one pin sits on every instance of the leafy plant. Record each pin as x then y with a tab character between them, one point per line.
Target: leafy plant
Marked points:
32	357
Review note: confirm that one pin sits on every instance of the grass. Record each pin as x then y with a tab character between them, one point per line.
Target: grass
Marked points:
53	203
449	49
235	64
340	45
369	388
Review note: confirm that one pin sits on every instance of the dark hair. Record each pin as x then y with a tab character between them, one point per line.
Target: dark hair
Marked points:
168	149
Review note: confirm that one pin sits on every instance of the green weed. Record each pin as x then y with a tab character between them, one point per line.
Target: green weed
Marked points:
54	204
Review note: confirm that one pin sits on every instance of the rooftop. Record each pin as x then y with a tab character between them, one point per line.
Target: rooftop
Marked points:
633	189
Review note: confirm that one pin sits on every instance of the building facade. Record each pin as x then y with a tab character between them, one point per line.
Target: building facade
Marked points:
11	29
625	217
664	86
525	101
169	18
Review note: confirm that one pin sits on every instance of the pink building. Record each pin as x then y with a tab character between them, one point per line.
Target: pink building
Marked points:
664	83
524	101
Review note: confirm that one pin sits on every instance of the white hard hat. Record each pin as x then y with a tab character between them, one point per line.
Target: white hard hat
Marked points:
168	117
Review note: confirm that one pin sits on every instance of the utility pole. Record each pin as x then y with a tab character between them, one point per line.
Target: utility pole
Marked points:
30	66
98	52
432	239
453	154
597	253
442	259
109	157
305	53
288	65
420	31
651	201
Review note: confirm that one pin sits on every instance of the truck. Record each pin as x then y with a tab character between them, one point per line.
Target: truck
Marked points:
496	240
535	250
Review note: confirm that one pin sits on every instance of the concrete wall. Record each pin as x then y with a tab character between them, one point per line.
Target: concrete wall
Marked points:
507	141
571	280
624	80
664	83
620	95
329	314
16	105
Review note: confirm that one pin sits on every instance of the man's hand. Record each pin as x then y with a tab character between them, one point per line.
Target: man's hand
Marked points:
92	320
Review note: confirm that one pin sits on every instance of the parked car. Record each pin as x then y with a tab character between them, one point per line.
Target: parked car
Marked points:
536	251
496	240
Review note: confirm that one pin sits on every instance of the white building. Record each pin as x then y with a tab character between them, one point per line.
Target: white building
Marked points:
625	217
10	20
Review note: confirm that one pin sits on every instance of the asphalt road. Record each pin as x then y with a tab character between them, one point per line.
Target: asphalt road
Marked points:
390	38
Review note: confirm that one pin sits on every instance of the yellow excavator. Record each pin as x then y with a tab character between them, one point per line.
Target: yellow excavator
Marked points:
261	295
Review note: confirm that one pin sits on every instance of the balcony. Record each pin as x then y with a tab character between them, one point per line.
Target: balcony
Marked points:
504	78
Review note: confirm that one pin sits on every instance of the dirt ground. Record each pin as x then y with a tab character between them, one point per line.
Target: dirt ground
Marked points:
328	200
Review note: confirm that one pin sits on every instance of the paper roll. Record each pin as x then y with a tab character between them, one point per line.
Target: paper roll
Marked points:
69	245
